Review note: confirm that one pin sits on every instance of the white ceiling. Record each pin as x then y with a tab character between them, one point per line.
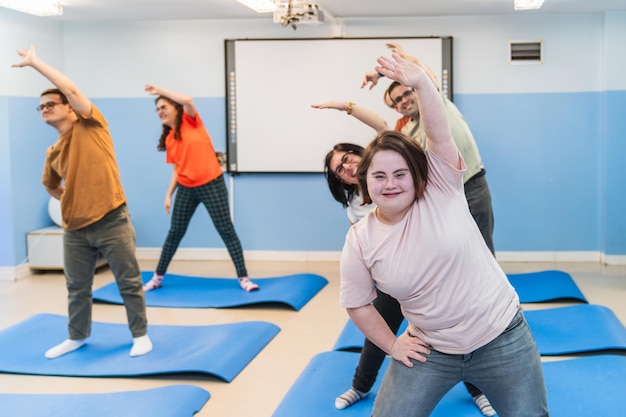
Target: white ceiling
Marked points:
231	9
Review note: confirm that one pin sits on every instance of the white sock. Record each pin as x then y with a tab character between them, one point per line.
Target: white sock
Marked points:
155	282
348	398
141	345
484	405
67	346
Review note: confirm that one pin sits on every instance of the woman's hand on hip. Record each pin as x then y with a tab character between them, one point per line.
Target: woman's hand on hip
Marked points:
407	347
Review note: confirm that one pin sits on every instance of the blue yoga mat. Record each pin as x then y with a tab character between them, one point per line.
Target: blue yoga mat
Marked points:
584	387
576	329
558	331
329	374
590	386
197	292
169	401
541	286
219	350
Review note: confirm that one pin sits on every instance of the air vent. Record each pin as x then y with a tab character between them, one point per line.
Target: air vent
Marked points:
526	52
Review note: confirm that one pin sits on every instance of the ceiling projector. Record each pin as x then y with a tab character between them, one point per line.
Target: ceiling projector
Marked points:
292	13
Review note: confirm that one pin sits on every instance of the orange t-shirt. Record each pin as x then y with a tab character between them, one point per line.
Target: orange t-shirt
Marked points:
193	154
401	122
84	160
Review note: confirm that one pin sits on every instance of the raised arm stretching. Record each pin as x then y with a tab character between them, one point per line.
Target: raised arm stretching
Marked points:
187	102
76	98
431	107
360	113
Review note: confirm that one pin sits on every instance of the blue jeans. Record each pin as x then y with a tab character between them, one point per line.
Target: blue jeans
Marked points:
508	370
114	237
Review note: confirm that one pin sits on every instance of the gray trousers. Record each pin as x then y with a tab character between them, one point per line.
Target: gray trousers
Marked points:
114	237
479	201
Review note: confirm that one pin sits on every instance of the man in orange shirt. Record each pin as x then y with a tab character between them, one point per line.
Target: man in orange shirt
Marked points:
81	171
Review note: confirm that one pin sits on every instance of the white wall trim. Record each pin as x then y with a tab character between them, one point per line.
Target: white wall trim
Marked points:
549	256
13	273
197	254
614	259
204	254
9	273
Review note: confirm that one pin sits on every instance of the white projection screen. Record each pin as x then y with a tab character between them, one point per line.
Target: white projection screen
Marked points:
272	83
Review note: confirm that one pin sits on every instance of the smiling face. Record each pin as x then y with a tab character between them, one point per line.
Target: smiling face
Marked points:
343	165
166	112
404	101
390	185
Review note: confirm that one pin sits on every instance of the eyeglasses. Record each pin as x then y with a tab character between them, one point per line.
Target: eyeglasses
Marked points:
161	108
401	97
346	158
49	106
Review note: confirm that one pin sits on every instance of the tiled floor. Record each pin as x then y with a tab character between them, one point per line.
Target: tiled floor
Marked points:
259	388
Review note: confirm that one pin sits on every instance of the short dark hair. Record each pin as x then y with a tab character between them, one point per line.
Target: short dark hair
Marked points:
56	91
408	148
341	191
391	87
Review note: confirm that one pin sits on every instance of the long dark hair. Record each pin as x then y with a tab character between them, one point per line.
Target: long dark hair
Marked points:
408	148
166	129
341	191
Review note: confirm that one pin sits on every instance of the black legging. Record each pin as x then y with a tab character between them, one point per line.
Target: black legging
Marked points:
214	197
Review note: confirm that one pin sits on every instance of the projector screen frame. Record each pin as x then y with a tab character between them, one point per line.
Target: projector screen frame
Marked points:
252	75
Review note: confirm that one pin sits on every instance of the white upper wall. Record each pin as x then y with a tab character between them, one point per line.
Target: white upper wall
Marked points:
19	31
481	50
116	59
615	51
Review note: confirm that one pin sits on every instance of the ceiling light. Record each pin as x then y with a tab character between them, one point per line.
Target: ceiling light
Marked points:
527	4
36	7
259	6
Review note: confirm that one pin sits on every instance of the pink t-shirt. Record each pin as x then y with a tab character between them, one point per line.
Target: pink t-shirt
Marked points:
436	264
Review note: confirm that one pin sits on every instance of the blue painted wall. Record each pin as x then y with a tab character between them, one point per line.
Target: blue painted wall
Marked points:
7	250
614	164
551	135
542	155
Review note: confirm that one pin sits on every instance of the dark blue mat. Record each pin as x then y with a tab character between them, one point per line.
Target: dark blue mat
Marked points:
170	401
351	338
585	387
541	286
591	386
330	373
558	331
197	292
220	350
576	329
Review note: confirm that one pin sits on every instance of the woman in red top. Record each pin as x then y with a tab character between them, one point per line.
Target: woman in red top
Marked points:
197	176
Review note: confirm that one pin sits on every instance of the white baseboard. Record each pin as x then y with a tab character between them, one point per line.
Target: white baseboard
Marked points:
9	273
200	254
614	259
13	273
549	257
204	254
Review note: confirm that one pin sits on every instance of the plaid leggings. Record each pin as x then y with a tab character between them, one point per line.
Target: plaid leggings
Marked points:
215	198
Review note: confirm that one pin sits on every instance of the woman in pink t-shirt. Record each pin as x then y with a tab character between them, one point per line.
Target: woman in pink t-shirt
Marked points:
422	247
340	166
